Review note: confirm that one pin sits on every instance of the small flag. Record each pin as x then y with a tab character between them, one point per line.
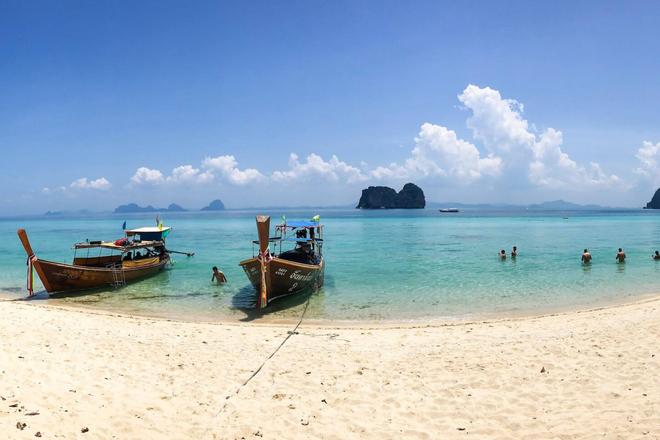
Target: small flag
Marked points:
124	226
160	226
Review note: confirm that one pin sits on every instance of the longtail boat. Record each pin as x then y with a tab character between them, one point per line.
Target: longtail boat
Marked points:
275	273
140	254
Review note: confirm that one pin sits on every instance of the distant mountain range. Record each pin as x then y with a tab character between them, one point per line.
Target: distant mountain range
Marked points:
215	205
59	213
134	207
555	205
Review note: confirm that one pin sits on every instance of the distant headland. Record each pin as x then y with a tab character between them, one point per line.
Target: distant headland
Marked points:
411	196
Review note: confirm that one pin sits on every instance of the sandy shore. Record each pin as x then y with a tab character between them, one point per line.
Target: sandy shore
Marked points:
587	374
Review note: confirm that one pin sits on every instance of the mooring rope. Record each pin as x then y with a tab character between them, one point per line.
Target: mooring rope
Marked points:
270	356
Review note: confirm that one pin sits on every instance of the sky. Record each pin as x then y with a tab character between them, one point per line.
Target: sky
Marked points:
307	102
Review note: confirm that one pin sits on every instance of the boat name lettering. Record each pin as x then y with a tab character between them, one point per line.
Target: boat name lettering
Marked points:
301	277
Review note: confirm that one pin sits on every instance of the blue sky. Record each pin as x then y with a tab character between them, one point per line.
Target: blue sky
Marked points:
104	103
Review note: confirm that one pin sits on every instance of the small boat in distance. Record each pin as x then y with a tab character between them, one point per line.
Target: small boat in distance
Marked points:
276	273
103	263
449	210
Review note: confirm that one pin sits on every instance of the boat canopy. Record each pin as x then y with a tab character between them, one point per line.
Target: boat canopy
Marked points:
300	224
131	245
150	233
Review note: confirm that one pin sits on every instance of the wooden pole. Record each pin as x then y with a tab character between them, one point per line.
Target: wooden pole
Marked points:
263	229
22	235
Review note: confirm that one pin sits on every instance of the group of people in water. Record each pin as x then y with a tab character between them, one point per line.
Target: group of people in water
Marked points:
514	253
586	255
620	256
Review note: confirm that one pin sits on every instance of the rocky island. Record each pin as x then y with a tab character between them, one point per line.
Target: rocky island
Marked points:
383	197
655	201
215	205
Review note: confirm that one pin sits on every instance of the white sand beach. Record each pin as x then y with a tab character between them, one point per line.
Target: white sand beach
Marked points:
591	374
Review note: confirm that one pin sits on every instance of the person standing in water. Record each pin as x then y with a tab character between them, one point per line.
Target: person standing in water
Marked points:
218	276
620	256
502	255
586	256
514	252
656	256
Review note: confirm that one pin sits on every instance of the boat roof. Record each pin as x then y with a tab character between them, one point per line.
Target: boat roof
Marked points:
147	230
300	224
131	245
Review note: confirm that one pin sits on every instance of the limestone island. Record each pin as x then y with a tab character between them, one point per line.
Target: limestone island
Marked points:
215	205
655	201
383	197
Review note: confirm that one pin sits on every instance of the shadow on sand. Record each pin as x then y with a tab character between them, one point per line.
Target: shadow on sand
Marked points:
245	300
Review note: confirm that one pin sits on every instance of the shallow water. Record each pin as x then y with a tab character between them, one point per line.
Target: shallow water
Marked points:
379	264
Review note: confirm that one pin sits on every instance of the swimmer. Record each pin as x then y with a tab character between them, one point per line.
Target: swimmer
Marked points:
218	276
620	256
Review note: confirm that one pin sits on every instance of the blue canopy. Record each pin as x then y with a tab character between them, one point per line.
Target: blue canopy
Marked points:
301	224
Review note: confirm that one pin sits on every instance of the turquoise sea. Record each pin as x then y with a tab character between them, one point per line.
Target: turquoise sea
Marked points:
380	265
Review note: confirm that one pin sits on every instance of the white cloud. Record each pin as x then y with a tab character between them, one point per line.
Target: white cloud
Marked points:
553	168
649	161
47	190
83	183
498	123
495	121
224	166
227	167
315	167
439	152
189	174
144	175
516	151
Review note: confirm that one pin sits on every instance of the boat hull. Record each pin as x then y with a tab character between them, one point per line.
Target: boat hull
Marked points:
284	277
65	278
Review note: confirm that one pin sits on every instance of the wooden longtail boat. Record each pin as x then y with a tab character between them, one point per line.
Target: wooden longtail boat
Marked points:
104	263
278	274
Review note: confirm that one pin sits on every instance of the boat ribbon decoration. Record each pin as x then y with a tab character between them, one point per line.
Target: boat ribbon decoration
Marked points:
30	274
266	256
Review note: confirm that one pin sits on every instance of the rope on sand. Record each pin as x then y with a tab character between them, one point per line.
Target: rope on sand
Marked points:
289	334
270	356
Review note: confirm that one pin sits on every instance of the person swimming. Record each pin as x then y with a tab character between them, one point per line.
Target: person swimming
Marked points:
218	276
586	256
656	256
514	252
620	256
502	254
